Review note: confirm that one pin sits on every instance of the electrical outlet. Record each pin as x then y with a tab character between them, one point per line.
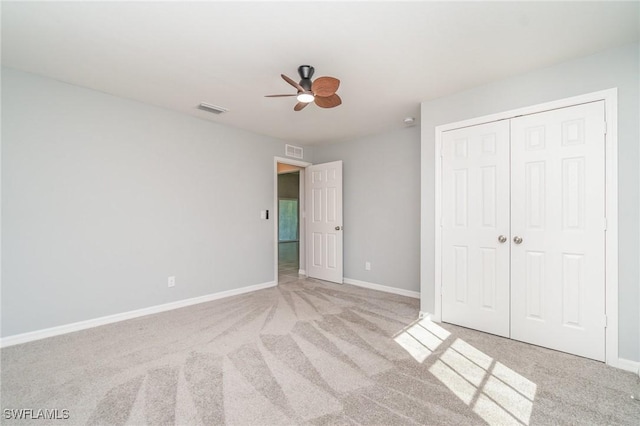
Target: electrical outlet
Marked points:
367	266
171	281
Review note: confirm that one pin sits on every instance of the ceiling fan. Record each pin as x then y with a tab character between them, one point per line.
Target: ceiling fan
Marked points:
322	90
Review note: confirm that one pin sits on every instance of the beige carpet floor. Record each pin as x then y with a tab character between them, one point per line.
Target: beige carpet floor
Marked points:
307	352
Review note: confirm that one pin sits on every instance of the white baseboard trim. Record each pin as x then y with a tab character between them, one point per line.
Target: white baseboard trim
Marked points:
96	322
628	365
379	287
302	272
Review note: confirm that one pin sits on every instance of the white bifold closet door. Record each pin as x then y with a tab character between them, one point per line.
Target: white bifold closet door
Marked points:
538	181
475	200
558	209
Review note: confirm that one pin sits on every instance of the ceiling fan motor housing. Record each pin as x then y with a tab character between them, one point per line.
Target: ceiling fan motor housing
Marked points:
306	72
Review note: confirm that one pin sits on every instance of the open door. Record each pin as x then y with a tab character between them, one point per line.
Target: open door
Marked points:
324	221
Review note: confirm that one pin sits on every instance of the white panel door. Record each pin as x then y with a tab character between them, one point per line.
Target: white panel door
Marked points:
475	215
324	221
557	209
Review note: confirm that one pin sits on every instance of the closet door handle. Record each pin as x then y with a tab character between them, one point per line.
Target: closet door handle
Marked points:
502	239
517	239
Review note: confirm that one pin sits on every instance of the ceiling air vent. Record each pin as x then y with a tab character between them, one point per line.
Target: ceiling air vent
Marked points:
212	108
293	151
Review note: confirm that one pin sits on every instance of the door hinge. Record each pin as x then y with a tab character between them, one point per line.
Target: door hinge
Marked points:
605	322
605	127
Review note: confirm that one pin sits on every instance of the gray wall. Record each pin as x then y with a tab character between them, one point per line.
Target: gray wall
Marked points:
104	198
614	68
381	179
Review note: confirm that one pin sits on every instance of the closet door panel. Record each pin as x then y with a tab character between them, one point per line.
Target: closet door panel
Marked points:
557	209
475	212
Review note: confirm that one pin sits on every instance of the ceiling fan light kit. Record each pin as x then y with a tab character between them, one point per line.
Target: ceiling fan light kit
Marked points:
321	91
305	97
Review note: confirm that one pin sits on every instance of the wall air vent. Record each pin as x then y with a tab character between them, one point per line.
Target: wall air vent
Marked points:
293	151
212	108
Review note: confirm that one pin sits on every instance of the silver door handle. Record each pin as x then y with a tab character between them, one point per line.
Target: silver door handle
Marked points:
338	228
502	239
517	239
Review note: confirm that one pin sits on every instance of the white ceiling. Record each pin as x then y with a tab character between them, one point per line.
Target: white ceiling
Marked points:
390	56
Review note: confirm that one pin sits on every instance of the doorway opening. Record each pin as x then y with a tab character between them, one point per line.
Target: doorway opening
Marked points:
288	223
289	220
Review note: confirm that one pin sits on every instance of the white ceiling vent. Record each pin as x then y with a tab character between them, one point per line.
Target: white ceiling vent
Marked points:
212	108
294	151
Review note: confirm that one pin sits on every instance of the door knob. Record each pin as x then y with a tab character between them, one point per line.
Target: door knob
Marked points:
338	228
502	239
517	239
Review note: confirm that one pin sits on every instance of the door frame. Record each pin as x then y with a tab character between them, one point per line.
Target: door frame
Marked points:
610	97
301	207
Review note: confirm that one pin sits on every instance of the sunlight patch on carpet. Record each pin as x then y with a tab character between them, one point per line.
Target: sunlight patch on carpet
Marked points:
498	394
421	338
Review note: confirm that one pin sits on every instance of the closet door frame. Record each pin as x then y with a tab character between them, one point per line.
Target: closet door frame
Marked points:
610	97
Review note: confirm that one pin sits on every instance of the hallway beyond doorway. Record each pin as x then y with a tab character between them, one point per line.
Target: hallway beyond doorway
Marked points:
288	259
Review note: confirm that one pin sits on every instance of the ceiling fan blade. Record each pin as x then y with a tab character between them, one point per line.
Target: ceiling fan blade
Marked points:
293	83
328	102
300	105
325	86
277	96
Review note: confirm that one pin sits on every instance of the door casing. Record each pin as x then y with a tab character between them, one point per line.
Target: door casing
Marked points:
610	97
